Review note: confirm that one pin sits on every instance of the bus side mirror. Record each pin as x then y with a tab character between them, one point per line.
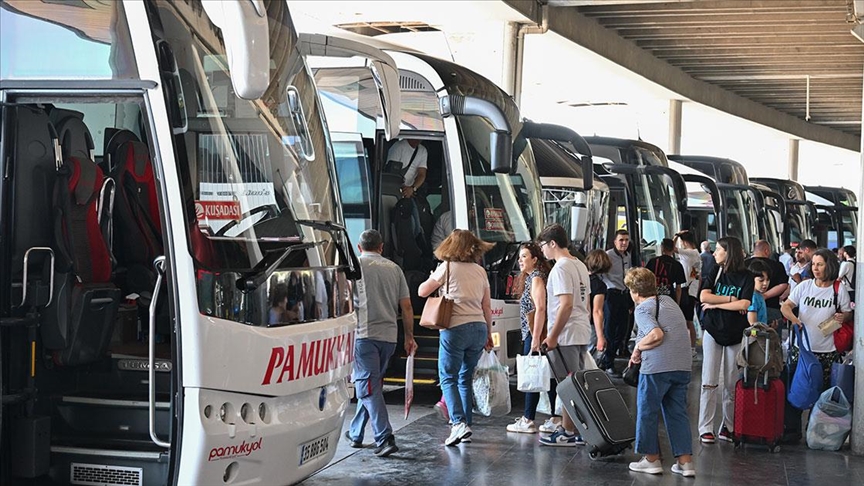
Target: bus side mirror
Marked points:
501	149
247	43
587	172
578	222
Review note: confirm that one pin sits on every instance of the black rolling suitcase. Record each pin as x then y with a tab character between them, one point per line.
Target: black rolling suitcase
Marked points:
598	410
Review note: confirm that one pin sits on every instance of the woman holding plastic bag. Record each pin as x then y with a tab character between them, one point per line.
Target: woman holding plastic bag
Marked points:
470	325
531	283
818	308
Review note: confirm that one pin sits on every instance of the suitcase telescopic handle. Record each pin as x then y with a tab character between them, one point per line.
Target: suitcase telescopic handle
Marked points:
545	350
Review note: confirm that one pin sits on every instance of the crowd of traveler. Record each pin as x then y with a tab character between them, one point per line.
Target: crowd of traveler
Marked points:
578	309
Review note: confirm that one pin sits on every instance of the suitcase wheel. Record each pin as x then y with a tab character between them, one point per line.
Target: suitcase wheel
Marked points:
774	448
594	455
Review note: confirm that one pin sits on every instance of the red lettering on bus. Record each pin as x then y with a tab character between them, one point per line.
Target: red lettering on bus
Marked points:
276	357
316	357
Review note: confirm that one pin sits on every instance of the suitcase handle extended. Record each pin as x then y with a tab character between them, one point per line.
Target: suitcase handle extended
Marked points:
544	350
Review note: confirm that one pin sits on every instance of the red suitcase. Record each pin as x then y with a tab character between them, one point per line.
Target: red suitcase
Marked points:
759	413
759	405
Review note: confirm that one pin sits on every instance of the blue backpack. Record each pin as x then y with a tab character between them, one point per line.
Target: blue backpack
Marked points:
807	382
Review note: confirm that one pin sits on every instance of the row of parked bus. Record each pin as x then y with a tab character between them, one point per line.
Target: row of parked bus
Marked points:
183	182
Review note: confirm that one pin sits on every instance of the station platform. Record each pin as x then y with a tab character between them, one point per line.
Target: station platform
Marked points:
497	457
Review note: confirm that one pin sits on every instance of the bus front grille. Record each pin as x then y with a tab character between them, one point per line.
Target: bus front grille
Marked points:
101	474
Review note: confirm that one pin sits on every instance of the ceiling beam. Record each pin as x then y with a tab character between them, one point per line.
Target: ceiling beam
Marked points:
787	6
589	33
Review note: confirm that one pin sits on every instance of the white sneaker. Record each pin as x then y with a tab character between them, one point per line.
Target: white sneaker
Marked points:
646	466
457	433
522	425
687	470
549	426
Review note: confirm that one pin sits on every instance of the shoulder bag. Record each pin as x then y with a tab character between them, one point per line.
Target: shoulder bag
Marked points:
807	381
845	336
438	310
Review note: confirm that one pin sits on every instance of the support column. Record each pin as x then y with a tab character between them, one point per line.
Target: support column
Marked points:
858	407
793	159
508	66
674	127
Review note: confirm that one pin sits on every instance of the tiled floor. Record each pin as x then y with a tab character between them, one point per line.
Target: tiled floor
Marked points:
497	457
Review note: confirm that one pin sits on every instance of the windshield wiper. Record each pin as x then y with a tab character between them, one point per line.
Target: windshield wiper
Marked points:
340	241
259	274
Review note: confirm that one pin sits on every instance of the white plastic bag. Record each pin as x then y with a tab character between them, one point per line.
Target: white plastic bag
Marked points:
491	386
544	406
830	421
409	383
533	373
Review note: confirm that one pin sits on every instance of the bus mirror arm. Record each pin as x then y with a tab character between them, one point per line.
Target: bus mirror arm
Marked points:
341	242
501	138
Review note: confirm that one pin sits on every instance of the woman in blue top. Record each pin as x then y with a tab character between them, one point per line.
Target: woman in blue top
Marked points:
532	314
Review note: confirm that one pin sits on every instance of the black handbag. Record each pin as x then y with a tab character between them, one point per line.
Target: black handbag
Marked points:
631	373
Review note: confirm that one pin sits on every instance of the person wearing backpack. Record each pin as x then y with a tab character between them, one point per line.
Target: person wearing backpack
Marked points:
726	295
815	302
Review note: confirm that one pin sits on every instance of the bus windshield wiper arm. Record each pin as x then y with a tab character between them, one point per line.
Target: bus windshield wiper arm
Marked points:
346	253
259	274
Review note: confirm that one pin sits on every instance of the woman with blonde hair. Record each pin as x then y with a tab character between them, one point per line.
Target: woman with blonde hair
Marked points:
470	327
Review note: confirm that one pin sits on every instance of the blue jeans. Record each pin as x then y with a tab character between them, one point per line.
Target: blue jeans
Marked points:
458	354
666	392
533	399
370	362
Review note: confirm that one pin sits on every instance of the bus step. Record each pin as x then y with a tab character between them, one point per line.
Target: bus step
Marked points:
87	417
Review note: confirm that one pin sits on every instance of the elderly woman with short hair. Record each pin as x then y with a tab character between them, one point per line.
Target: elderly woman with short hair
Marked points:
663	349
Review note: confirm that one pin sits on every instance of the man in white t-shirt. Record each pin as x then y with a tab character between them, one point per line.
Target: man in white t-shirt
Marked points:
568	322
413	157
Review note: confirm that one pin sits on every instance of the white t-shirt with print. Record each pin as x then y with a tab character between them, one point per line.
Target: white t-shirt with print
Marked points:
815	304
570	276
692	263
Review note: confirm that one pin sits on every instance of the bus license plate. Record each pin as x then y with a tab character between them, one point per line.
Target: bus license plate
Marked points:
314	448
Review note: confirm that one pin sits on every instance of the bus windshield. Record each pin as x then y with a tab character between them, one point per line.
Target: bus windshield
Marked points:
658	209
797	220
502	207
256	176
849	225
741	217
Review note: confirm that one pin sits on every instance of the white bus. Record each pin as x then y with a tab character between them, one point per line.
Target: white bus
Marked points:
572	197
481	176
175	303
